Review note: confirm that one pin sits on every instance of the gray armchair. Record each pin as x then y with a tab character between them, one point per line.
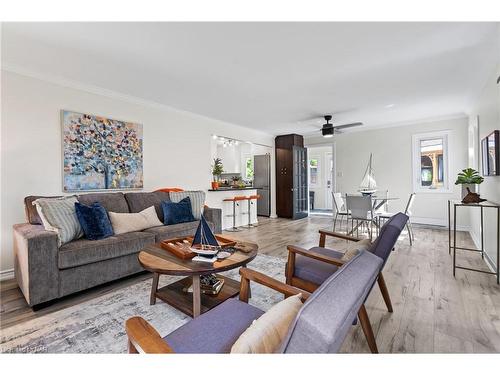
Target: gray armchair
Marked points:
320	326
309	269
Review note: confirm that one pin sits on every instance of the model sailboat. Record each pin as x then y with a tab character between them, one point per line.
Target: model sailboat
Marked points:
368	184
204	238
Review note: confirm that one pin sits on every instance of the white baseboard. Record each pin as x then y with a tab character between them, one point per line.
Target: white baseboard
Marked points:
477	244
7	274
437	222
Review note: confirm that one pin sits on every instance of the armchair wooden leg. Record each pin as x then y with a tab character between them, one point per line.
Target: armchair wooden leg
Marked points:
367	329
131	348
385	291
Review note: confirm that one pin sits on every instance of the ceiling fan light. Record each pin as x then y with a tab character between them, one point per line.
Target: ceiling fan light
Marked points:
327	132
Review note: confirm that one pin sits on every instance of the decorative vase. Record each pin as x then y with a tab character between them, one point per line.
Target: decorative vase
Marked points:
472	188
215	185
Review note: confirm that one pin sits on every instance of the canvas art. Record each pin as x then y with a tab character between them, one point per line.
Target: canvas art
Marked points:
101	153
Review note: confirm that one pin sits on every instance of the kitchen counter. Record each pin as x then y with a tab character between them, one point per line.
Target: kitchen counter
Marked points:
241	209
231	189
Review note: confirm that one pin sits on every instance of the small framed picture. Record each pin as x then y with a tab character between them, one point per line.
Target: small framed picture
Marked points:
490	150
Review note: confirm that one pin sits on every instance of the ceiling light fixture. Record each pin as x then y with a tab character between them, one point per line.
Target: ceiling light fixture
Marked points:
214	136
389	105
327	129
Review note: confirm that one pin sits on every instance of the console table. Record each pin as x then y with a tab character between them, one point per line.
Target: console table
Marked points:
453	244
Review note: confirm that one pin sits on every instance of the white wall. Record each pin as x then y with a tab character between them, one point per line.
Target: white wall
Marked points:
392	163
487	109
177	144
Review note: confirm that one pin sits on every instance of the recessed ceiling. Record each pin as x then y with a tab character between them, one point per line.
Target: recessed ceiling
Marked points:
270	76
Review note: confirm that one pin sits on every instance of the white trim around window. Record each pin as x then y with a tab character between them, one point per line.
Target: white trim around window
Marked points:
417	162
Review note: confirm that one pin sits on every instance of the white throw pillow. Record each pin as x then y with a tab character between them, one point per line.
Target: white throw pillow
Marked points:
266	334
59	215
125	222
354	247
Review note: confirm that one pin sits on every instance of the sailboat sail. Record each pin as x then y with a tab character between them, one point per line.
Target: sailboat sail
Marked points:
204	235
368	184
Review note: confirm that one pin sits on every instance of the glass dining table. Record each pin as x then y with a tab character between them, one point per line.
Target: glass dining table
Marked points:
377	202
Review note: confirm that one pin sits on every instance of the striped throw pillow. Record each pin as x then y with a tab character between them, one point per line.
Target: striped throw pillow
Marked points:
59	215
197	200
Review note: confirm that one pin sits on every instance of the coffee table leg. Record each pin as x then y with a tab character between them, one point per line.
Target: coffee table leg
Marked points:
154	288
196	296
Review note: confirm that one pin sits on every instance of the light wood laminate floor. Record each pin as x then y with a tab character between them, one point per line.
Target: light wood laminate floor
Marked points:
433	311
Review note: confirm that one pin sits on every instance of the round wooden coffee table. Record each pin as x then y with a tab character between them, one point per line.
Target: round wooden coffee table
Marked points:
161	262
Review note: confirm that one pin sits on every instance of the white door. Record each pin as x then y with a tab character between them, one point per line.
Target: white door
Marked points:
329	180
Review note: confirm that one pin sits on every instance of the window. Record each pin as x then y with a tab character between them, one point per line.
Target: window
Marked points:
430	162
249	168
313	171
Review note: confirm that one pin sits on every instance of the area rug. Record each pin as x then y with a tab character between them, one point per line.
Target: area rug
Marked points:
98	325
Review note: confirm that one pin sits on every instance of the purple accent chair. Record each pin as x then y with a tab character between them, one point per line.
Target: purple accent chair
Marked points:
308	269
320	326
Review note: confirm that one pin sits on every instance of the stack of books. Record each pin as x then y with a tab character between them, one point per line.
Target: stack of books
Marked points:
209	284
212	289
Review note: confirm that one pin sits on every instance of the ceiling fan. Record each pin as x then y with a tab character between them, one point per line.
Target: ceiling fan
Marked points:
328	130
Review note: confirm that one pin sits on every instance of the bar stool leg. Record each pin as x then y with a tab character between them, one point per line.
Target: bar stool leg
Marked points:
249	225
234	228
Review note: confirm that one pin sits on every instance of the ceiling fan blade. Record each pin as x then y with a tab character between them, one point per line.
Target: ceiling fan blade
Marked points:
345	126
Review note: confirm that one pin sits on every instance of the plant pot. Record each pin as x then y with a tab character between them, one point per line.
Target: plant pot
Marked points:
472	188
215	185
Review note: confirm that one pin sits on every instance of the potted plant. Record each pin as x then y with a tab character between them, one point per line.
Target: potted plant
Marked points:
468	178
217	170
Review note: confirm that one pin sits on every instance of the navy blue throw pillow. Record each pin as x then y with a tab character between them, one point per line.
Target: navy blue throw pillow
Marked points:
176	213
94	220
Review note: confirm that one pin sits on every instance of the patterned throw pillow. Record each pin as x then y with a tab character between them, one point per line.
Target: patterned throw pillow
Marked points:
197	200
59	215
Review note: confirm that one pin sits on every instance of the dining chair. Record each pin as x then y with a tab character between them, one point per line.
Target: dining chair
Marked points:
387	215
340	210
360	208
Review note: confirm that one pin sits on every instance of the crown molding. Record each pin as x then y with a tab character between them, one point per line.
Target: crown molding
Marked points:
97	90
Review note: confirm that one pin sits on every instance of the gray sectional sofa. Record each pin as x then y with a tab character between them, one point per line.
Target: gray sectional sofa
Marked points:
45	271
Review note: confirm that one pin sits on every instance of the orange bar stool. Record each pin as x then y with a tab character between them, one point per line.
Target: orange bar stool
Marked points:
251	200
235	201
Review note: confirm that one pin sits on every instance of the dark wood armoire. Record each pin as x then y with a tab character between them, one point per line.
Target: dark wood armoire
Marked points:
291	176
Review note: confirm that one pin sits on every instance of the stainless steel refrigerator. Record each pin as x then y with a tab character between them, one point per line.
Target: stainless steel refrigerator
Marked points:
262	182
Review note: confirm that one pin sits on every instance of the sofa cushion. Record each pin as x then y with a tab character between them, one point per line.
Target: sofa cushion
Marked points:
176	213
176	230
210	332
114	202
313	270
84	251
30	210
139	201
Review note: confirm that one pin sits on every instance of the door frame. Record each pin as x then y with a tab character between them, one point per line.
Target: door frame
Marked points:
334	169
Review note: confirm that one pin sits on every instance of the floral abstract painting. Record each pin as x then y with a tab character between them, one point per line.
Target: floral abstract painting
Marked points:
101	153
